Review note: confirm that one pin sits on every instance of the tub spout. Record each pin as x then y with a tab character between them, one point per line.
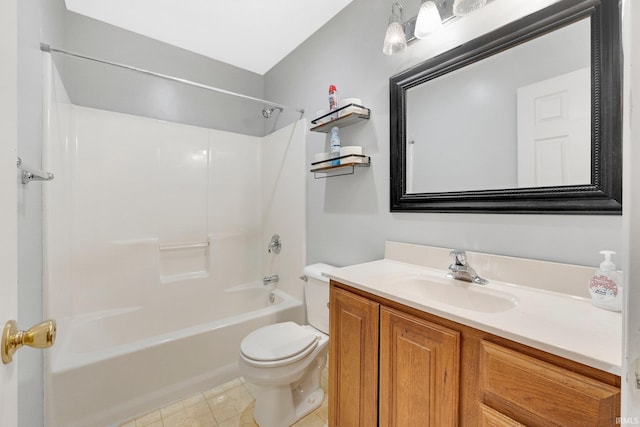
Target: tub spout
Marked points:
267	280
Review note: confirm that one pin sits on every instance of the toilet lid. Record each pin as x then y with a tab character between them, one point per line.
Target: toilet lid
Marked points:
278	341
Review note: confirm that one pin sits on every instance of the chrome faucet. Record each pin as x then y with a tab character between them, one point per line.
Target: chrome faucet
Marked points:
460	270
266	280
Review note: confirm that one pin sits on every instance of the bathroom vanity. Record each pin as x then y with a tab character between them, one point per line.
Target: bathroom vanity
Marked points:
494	355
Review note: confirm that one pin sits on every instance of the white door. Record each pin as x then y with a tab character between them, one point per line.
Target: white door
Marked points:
631	214
8	201
554	131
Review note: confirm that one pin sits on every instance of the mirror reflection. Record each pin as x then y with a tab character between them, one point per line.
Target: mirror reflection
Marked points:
517	119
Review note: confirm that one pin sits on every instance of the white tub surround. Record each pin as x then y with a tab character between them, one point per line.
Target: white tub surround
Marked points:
154	252
563	324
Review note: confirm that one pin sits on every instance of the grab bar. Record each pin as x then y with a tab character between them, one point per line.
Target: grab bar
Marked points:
183	246
29	174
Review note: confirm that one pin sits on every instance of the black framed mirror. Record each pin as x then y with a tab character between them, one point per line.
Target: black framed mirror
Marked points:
552	138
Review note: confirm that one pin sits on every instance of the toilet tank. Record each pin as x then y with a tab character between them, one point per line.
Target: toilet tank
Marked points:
316	296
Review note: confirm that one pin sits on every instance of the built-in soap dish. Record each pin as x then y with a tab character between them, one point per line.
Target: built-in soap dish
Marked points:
183	261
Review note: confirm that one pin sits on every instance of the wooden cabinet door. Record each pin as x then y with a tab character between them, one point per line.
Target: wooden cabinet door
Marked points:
353	360
418	372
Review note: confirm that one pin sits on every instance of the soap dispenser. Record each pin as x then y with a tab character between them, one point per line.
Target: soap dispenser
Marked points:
605	286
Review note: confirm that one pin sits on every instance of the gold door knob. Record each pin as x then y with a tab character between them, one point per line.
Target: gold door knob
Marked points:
42	335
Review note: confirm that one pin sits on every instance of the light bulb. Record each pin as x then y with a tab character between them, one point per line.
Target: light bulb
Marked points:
465	7
428	20
395	40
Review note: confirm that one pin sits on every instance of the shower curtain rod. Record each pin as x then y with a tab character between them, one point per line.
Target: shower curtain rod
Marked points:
46	48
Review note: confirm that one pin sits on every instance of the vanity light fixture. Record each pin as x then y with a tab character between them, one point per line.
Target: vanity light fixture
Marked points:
428	20
433	14
395	40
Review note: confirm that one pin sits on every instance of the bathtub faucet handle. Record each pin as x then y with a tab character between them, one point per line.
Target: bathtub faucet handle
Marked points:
275	244
266	280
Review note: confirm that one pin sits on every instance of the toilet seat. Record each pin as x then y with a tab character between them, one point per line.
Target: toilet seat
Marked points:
279	344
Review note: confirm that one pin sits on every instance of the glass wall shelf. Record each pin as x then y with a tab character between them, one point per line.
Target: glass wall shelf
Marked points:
347	166
344	116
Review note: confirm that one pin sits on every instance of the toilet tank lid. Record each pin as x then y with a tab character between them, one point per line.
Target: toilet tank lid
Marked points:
315	271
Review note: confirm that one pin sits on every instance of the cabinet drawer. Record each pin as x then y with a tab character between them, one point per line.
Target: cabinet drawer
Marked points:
489	417
539	393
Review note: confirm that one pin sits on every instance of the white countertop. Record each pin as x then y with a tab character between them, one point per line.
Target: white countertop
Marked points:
564	325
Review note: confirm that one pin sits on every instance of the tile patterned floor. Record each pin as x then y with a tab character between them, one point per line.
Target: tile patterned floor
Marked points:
229	405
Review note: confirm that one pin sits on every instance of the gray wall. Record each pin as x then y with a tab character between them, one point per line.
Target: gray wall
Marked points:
38	20
348	217
95	38
106	87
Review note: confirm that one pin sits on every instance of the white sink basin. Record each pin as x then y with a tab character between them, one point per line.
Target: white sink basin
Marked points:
469	296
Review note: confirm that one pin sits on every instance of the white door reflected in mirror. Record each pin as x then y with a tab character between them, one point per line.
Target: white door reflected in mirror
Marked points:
554	138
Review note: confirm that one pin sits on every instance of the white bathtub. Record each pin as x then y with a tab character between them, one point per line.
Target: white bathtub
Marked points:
111	366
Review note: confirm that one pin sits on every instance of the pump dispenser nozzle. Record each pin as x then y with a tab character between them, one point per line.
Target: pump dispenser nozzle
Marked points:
607	264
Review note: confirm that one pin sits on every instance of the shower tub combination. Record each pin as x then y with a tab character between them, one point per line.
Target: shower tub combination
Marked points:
153	282
112	366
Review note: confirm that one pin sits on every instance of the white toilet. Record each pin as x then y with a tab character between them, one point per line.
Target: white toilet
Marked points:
286	359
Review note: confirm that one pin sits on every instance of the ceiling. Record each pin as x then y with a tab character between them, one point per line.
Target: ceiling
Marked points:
250	34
